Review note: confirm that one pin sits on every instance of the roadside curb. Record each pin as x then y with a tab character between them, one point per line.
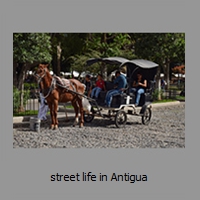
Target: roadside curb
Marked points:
157	105
23	119
70	113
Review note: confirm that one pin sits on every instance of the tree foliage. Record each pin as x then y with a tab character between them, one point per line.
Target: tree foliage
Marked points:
31	47
28	50
162	48
70	51
103	45
76	48
69	44
179	69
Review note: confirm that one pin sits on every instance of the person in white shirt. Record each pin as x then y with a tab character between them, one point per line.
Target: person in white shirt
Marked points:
43	108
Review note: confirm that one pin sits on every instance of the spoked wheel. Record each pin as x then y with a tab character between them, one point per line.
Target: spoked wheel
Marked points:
146	116
120	119
88	117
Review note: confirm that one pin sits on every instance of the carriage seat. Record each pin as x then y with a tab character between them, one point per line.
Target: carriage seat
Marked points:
109	85
119	99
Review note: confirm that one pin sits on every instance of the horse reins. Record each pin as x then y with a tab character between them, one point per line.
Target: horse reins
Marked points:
40	79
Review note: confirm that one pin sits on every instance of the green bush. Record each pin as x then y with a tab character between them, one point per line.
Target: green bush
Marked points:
29	86
16	98
26	96
157	93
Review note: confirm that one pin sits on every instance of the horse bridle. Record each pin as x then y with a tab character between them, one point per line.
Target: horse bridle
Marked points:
40	79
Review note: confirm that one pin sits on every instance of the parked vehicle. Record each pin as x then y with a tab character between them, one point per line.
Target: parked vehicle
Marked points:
124	104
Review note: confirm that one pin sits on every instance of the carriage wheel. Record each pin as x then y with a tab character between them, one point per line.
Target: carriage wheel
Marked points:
88	117
120	119
146	116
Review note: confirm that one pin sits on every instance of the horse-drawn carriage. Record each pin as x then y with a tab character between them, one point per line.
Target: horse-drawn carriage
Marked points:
124	104
56	90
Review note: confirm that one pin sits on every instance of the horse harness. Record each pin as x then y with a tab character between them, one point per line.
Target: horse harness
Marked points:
57	81
65	85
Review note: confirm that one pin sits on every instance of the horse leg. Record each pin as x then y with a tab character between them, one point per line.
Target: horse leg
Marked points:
74	104
67	119
81	112
51	113
55	114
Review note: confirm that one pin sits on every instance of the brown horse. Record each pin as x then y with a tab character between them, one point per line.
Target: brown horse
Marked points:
54	92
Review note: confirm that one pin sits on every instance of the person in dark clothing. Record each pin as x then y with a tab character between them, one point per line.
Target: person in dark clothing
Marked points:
139	86
163	84
88	84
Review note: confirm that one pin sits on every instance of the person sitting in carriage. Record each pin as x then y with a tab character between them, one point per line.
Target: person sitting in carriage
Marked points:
139	86
99	86
120	83
88	84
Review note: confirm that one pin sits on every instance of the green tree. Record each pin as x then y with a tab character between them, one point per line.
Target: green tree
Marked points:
29	49
103	45
65	45
162	48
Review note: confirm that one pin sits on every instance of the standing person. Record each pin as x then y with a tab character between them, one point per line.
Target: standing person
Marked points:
120	83
43	108
88	84
139	86
163	84
99	86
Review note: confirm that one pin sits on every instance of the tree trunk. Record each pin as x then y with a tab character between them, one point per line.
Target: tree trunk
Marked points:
21	80
168	75
15	74
167	72
54	63
158	85
104	71
103	52
59	50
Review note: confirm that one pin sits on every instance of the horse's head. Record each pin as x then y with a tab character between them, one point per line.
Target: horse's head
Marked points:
41	72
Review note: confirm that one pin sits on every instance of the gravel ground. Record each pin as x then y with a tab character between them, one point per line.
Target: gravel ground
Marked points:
166	130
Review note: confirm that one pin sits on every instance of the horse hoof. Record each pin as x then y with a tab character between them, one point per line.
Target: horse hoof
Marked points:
51	127
55	127
81	126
